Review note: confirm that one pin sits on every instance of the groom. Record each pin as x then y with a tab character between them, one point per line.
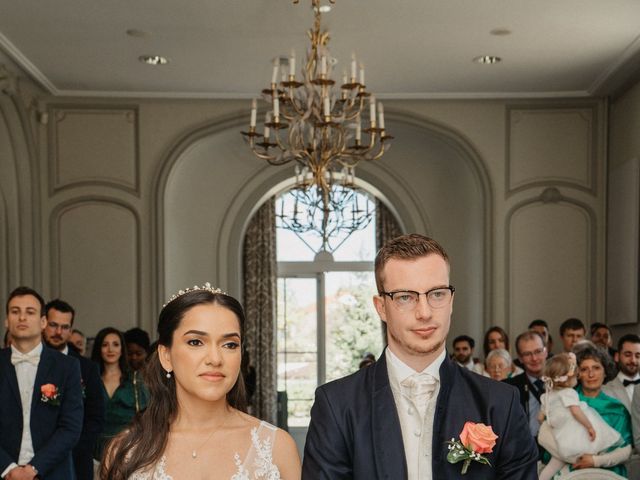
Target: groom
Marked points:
393	419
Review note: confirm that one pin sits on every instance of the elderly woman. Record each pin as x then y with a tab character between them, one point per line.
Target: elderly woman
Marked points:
593	364
496	338
498	364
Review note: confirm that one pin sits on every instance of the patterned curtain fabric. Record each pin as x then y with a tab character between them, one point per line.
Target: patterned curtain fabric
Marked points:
259	263
387	227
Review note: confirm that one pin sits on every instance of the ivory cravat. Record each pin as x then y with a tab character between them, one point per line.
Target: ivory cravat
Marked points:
419	388
18	358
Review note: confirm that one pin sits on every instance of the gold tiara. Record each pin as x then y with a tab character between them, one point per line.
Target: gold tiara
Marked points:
205	288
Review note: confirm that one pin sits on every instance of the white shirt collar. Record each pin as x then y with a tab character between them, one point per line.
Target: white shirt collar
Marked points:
36	351
400	371
621	376
65	350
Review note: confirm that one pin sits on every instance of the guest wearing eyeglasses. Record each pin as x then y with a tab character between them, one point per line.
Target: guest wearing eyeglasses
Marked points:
57	333
533	354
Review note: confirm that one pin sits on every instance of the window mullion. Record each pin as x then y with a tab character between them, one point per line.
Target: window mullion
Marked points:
322	357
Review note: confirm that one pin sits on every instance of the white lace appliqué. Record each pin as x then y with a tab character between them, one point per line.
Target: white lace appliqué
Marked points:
258	465
259	461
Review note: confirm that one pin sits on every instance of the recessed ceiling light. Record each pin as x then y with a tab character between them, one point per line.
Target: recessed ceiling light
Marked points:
487	59
500	32
134	32
153	59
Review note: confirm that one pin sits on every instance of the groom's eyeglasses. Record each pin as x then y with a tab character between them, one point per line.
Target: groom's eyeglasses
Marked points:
407	300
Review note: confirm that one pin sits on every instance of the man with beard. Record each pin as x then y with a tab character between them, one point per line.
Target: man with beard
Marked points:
463	351
57	331
628	360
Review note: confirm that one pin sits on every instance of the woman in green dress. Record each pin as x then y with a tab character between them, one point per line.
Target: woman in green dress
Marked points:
592	368
124	393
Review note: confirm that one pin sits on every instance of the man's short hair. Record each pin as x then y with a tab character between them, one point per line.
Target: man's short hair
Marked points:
406	247
75	330
628	338
571	324
21	292
528	335
464	338
61	306
596	326
538	322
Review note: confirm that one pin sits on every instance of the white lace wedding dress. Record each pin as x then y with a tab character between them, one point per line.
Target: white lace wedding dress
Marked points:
258	464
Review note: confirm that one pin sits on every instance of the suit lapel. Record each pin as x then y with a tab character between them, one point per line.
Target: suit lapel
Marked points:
447	374
10	371
46	363
387	435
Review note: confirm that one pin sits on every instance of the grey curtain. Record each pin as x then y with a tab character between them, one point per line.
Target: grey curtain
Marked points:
259	263
387	227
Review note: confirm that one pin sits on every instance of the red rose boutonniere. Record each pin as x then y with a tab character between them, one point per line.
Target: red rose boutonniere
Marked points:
475	439
50	394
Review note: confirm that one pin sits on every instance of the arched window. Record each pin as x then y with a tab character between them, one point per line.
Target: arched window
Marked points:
326	321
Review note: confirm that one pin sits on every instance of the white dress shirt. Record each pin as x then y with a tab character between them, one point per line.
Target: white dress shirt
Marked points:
629	388
416	425
26	374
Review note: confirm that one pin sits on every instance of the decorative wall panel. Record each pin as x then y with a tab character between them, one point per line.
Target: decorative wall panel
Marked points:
622	243
549	268
95	263
94	146
551	146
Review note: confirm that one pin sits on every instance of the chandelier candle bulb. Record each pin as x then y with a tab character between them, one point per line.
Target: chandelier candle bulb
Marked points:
254	112
380	116
274	75
276	109
358	131
292	64
353	66
327	107
372	111
267	131
323	65
362	74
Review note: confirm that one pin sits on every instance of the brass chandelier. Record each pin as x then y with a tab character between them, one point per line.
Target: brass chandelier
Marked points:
327	130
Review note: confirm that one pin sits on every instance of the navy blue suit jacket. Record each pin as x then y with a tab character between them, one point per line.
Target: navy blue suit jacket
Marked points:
94	411
54	429
355	430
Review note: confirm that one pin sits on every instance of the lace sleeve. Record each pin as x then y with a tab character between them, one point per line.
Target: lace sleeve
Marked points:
614	457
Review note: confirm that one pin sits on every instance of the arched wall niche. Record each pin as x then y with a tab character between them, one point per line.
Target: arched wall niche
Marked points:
210	184
17	180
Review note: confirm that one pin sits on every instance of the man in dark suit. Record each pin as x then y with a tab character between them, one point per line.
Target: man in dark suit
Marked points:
393	419
60	316
40	398
533	355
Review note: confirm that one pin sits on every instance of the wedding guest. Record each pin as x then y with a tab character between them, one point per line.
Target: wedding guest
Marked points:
394	418
79	340
533	354
463	351
138	342
195	425
40	397
602	337
591	370
123	390
495	338
628	378
60	316
540	326
498	364
572	330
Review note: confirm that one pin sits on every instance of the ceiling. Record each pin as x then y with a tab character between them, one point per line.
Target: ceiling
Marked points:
411	48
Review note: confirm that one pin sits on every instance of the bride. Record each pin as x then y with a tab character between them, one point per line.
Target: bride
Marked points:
195	426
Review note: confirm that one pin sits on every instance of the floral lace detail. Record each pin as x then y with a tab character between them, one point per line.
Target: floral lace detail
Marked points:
262	455
257	465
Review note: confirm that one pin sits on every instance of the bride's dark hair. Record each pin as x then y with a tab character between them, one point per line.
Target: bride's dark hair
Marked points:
145	440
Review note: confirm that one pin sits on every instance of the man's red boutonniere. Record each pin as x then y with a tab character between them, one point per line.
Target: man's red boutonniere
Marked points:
475	439
50	394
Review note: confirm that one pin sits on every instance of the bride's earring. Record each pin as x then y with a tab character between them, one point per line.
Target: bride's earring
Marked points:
168	374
